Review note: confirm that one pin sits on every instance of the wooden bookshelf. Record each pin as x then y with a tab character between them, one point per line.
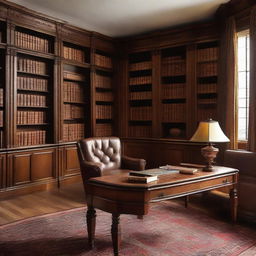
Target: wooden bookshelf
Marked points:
173	92
75	102
102	83
76	53
34	101
33	40
207	56
140	94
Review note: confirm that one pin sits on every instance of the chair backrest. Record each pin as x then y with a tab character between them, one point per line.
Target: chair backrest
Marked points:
104	150
244	161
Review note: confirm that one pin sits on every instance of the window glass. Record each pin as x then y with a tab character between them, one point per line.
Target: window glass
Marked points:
243	84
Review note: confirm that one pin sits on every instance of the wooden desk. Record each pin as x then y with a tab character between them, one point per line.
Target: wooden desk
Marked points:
115	195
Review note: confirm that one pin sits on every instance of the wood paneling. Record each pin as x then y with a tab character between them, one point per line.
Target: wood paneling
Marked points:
43	165
31	166
21	169
2	171
71	163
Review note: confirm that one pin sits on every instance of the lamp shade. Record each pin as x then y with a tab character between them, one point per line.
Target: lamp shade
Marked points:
209	131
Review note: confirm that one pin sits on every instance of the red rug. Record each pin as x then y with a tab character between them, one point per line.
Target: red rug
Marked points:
168	230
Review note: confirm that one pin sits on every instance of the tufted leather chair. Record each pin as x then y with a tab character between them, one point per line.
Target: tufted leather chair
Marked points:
102	156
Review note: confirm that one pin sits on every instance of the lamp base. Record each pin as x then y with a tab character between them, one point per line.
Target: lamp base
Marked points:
209	153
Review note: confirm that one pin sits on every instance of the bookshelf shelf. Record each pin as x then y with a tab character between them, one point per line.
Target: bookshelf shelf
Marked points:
207	54
75	99
33	40
76	53
173	92
34	94
102	83
140	94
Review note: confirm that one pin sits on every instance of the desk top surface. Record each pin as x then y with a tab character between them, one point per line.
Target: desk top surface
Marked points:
173	178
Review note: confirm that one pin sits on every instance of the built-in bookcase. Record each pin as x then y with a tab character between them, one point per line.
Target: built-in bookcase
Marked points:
34	100
32	40
104	95
207	55
76	53
140	94
173	92
75	102
76	92
2	93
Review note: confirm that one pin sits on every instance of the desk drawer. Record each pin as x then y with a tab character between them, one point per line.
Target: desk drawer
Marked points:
190	188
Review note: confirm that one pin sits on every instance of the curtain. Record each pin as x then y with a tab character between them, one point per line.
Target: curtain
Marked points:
252	100
228	82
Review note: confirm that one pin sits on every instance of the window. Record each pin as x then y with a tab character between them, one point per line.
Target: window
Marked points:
243	85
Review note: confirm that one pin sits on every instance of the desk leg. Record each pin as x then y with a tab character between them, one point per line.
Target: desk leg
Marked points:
116	233
234	204
91	222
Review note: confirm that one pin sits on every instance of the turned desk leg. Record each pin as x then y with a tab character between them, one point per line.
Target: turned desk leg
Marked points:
116	233
234	204
91	222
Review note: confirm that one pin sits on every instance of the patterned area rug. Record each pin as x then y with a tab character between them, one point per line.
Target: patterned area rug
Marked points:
168	230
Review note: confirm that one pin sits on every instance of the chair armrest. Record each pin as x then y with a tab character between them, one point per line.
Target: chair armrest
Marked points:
133	163
90	169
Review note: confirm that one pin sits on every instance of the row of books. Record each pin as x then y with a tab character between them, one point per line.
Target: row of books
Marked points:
104	96
72	132
1	118
72	111
141	95
207	69
140	66
31	117
31	137
140	131
73	92
208	54
103	130
141	113
30	100
175	112
206	88
207	101
73	54
173	59
140	80
73	76
103	61
103	81
104	112
32	66
176	69
1	96
32	83
31	42
173	91
206	112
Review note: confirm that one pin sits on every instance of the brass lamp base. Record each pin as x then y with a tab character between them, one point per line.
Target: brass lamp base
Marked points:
209	153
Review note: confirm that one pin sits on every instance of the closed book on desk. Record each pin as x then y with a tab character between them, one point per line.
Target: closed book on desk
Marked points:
140	179
151	172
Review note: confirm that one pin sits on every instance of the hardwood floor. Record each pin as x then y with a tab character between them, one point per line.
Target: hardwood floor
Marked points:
39	203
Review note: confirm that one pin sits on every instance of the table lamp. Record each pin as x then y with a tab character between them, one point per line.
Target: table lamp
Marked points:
209	131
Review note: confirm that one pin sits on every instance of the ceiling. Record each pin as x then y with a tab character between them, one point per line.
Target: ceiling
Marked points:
118	18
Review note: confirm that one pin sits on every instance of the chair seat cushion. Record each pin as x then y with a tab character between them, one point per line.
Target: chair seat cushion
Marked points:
115	171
